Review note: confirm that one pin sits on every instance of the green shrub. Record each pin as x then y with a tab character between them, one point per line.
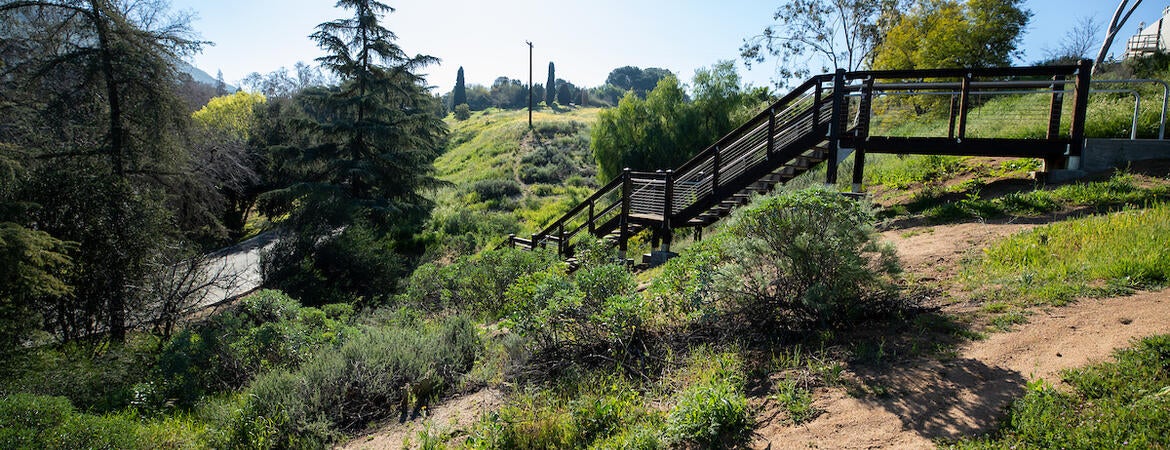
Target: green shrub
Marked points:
686	285
488	190
472	284
806	256
377	374
97	378
707	413
338	311
268	331
26	419
601	412
569	317
113	431
43	422
711	409
462	112
269	306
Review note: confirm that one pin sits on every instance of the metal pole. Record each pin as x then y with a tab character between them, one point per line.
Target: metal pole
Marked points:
529	84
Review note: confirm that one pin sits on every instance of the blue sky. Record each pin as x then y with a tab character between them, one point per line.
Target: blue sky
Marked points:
586	39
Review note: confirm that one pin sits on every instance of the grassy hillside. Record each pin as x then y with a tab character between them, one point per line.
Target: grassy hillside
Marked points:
506	178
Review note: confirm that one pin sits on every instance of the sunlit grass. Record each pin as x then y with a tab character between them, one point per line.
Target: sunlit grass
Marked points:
1124	403
1095	256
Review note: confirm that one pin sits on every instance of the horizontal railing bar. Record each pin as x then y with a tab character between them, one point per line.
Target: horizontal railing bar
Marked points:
985	72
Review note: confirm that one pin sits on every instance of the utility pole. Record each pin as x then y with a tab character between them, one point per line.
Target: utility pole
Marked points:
529	84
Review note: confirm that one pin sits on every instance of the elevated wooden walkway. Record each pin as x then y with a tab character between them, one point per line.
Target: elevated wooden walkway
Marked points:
823	121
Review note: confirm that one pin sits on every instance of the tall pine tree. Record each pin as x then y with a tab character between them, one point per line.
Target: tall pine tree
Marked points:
88	95
357	201
459	97
550	87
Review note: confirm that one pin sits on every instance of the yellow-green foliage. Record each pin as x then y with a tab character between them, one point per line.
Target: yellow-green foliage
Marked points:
230	113
1096	256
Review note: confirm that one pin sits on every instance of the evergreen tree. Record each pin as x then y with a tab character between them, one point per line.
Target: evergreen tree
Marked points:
357	199
550	91
459	97
89	97
220	85
565	93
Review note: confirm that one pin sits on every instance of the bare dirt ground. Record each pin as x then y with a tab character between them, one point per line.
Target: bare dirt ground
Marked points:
929	399
925	400
934	252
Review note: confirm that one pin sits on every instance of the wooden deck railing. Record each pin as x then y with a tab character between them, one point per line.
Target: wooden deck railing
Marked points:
868	111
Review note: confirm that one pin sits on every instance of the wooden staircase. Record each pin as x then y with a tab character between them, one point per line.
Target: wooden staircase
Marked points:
809	126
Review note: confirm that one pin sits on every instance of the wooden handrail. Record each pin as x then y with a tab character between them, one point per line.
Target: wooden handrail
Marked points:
790	128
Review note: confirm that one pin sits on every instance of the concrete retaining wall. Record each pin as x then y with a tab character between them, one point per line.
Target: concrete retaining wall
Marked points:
1104	154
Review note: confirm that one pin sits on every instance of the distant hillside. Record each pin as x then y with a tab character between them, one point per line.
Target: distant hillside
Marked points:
200	76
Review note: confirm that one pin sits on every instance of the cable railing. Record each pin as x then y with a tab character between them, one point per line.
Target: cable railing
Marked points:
939	111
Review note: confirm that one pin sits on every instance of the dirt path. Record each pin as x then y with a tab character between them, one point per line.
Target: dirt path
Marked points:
927	399
934	252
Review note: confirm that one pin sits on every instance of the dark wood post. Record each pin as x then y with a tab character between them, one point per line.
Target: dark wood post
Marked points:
858	169
715	171
771	134
1080	109
836	125
1055	106
624	219
864	111
1055	109
816	109
512	240
561	240
964	105
668	210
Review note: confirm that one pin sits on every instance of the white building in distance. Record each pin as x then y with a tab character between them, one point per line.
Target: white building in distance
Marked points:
1150	39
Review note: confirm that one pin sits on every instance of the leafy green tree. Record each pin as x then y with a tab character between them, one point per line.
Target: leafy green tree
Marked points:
34	263
462	112
830	33
233	114
950	33
357	198
479	97
666	129
550	86
565	93
644	134
631	78
508	93
225	154
718	96
460	95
